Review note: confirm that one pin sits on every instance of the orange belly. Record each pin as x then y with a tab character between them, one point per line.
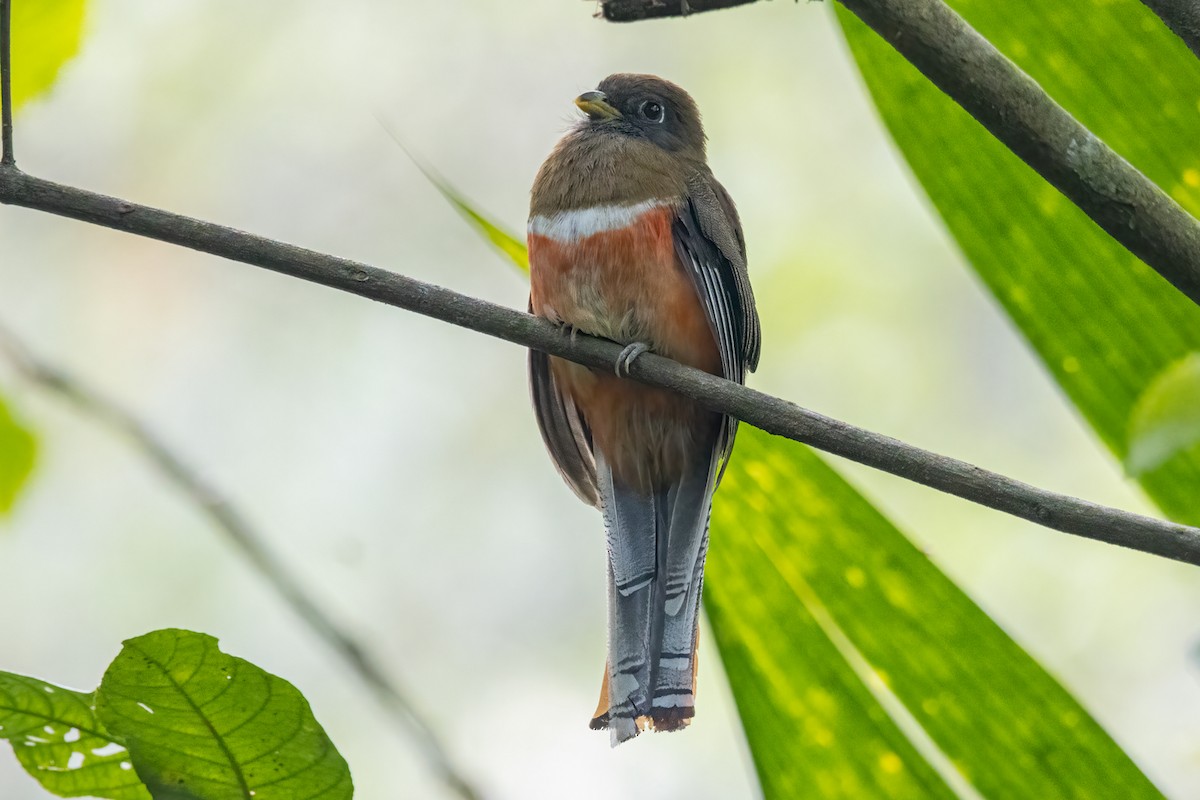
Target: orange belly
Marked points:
628	285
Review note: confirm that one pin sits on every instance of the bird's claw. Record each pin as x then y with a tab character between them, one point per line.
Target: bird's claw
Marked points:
568	330
628	356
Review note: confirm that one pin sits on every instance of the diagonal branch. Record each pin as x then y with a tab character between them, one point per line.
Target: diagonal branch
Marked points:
780	417
1010	104
245	539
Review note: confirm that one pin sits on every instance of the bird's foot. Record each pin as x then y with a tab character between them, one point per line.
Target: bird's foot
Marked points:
568	330
628	356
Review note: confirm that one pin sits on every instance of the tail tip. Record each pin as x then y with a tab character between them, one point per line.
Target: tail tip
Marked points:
661	720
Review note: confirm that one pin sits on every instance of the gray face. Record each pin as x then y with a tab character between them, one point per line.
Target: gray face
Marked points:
653	109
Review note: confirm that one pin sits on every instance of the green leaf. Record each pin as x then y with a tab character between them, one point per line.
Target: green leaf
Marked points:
58	740
860	670
1103	323
203	725
506	243
18	450
46	34
1166	418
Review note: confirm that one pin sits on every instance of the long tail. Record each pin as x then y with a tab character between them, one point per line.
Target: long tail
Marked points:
656	548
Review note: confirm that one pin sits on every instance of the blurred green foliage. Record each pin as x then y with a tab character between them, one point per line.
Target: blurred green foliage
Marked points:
18	452
1166	418
509	245
499	238
1104	324
46	34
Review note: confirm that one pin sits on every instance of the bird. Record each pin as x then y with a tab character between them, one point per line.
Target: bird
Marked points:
631	238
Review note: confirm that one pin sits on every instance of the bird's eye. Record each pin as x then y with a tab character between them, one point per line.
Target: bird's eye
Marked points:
651	110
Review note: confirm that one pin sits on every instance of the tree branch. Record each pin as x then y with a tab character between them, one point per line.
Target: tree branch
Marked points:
6	103
1182	17
248	542
634	10
1010	104
772	414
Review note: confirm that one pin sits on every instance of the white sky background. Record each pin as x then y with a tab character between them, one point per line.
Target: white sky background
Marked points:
393	461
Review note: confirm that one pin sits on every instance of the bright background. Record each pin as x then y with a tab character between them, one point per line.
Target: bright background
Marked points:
393	461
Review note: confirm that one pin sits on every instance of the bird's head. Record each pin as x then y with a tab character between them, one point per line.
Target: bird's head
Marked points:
645	107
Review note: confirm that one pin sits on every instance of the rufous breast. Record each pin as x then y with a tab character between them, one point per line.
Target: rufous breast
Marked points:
612	271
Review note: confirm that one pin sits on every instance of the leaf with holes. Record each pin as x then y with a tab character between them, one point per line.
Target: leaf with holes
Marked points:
58	740
201	724
46	34
18	449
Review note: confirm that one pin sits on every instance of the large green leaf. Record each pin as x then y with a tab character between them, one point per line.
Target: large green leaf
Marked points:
848	652
58	740
1104	324
46	34
203	725
18	449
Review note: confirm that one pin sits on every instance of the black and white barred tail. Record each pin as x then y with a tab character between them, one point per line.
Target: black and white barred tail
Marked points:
657	542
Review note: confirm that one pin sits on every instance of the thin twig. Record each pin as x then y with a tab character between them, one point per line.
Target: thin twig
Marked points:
226	518
634	10
1057	511
1182	17
1010	104
6	104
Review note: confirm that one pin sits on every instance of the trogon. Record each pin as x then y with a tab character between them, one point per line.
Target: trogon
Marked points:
631	238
